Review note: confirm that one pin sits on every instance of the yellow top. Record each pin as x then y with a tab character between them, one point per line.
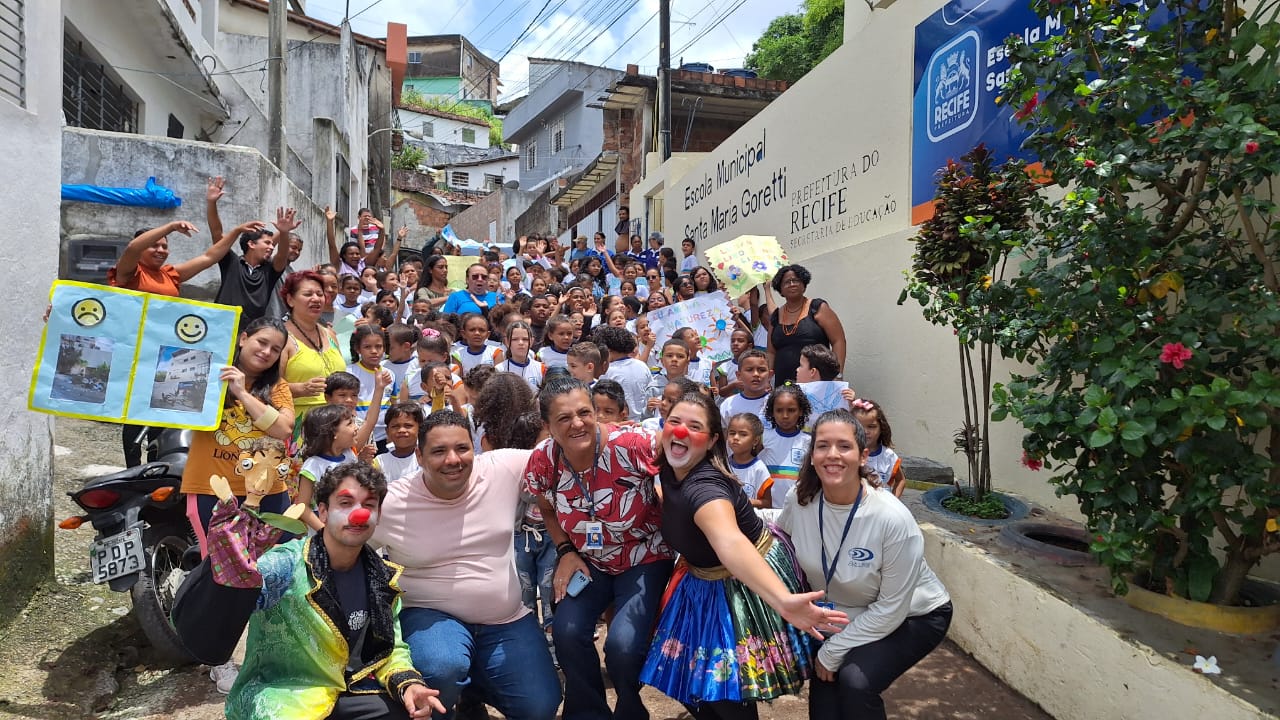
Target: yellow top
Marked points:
307	363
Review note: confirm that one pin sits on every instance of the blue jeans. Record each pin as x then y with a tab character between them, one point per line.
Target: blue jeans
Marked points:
508	664
635	595
536	566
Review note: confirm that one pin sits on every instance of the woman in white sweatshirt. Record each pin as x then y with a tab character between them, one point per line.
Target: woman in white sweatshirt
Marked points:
860	544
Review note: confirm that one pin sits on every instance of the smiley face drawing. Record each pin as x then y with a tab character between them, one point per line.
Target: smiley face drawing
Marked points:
191	329
88	312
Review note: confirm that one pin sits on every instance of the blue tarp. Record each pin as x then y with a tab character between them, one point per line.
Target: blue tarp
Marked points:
153	195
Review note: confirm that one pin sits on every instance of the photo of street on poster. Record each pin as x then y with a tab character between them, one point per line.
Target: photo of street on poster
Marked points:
181	378
82	369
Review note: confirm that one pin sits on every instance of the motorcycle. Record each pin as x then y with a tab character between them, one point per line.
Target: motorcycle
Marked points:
144	543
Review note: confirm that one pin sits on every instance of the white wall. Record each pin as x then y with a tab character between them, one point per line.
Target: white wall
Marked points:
509	169
30	149
444	130
126	38
840	137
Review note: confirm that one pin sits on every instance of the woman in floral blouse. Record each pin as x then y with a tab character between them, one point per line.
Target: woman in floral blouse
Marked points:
595	486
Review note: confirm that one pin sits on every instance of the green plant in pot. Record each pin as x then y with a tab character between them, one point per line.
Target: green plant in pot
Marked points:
1147	285
962	252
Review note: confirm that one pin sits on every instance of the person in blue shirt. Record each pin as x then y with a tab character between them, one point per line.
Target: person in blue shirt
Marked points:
650	256
476	298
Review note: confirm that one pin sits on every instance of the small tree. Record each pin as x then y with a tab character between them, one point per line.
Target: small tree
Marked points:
409	157
960	251
1150	284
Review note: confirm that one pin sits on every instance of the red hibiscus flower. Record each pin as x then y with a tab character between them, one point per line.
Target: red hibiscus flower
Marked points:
1175	354
1027	108
1031	463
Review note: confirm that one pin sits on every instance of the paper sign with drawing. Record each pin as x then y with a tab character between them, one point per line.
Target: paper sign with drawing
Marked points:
130	357
710	315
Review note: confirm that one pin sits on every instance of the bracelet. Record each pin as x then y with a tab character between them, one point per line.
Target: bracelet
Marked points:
565	548
267	419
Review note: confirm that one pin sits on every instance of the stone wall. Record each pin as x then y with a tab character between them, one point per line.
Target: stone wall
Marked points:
254	189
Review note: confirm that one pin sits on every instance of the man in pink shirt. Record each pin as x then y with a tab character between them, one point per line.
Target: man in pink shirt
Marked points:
462	617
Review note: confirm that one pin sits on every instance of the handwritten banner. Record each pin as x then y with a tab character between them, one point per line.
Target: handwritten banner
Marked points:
746	261
709	315
130	357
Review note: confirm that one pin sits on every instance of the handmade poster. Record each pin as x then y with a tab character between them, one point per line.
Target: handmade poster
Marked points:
457	279
825	395
708	314
130	357
746	261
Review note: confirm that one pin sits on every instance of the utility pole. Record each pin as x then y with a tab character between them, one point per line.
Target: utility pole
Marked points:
277	44
664	78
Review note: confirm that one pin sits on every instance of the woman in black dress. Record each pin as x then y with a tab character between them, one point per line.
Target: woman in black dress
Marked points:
798	322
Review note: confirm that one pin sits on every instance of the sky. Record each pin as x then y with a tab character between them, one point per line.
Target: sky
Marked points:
614	33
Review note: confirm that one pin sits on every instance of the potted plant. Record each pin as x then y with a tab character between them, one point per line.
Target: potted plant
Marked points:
1148	288
960	253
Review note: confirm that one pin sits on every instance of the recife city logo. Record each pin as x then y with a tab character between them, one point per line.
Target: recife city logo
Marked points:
861	557
952	97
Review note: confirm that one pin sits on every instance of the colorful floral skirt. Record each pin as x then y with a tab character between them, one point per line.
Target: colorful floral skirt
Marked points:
717	640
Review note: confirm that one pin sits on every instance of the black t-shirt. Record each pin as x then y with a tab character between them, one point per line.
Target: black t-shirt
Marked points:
681	499
250	288
353	598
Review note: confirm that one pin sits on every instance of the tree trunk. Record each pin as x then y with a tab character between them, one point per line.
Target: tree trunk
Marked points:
1226	588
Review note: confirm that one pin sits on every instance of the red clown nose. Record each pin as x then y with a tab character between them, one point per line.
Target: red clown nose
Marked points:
359	516
680	432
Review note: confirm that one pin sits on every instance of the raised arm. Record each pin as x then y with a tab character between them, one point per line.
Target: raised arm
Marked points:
286	222
213	193
739	556
380	382
608	260
216	252
127	266
371	257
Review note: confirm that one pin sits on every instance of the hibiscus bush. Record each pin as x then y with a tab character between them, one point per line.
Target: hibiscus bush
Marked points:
1149	280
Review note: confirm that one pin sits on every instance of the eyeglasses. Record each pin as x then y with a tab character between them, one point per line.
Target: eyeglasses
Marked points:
479	277
791	281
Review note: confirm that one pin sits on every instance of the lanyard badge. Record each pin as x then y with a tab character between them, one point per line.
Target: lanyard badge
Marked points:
829	570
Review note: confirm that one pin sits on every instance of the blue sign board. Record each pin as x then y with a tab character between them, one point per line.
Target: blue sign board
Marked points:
960	68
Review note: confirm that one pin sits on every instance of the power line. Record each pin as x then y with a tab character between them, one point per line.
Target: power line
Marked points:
527	28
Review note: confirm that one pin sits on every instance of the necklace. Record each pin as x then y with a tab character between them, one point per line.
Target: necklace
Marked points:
790	330
315	344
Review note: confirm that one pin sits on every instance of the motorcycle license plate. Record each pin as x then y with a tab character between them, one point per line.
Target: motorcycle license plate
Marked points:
122	554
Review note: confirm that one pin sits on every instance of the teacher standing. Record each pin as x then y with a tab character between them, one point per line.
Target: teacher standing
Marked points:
798	322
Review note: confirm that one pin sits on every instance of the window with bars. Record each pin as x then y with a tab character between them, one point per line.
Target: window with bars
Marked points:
468	135
415	57
492	182
428	129
557	137
460	180
13	52
531	159
91	98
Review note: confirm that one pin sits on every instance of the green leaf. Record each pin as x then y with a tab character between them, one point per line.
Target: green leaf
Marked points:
1101	438
1217	422
1200	573
1132	431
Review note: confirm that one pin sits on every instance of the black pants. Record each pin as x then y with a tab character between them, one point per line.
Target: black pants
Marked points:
135	439
377	706
870	669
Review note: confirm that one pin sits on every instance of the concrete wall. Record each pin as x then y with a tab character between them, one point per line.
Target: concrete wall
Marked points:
30	150
325	81
501	207
858	252
508	169
254	189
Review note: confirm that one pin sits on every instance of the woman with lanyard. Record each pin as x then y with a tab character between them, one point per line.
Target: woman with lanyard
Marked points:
873	569
734	623
594	485
436	288
477	298
311	353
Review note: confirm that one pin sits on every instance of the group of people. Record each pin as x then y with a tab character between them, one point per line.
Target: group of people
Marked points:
487	475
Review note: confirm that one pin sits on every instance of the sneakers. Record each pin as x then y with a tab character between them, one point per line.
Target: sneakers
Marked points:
224	676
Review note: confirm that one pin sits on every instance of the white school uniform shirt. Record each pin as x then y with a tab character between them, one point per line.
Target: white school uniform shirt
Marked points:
339	309
738	404
699	371
551	357
413	378
689	263
466	359
396	467
880	576
884	462
751	476
313	467
400	373
783	454
365	398
532	371
634	377
729	369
